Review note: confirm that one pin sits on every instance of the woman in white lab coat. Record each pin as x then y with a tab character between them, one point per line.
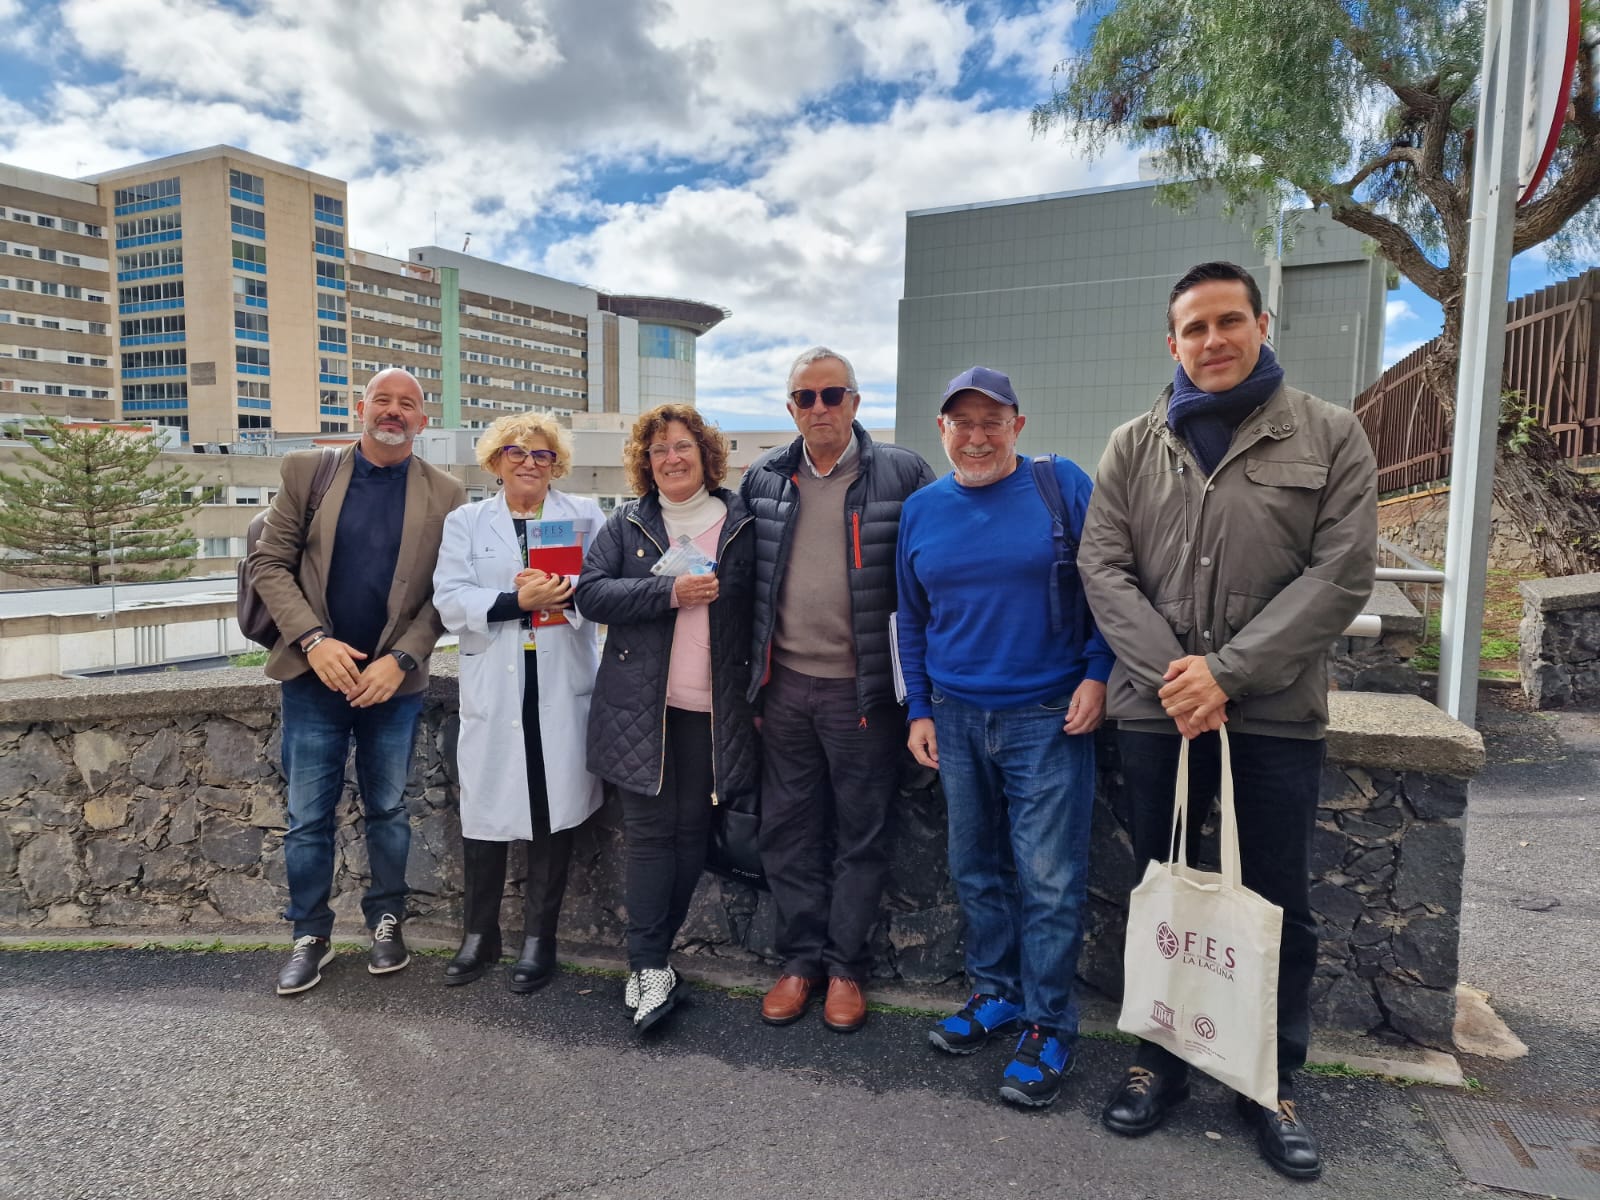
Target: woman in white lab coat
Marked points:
525	689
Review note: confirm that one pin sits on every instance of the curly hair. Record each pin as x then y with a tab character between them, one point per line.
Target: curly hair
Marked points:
517	430
650	426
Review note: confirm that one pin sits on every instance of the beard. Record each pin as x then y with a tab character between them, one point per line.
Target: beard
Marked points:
389	437
977	472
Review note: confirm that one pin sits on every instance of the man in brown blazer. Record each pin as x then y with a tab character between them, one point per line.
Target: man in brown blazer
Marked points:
351	593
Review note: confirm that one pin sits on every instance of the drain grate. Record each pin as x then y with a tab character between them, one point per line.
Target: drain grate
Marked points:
1520	1147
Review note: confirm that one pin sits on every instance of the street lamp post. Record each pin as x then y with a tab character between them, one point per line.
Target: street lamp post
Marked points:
113	530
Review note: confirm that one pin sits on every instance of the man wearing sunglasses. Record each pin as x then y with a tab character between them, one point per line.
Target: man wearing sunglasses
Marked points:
827	510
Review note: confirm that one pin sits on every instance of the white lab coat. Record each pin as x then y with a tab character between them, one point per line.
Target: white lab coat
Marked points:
478	558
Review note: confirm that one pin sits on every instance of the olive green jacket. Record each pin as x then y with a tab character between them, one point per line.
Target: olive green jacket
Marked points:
1259	567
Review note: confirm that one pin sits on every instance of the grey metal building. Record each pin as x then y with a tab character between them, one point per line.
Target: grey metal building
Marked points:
1067	294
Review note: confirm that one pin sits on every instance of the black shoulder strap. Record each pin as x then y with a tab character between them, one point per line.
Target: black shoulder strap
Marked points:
1061	535
321	482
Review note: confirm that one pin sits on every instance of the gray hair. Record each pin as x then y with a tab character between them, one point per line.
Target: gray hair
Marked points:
816	354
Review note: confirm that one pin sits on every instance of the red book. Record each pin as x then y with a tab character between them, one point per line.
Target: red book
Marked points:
556	560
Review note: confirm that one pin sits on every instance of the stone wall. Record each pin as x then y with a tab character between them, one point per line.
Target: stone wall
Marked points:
1559	652
1383	663
1417	523
157	801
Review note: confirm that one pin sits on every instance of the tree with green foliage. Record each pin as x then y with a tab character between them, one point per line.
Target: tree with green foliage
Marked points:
78	492
1367	108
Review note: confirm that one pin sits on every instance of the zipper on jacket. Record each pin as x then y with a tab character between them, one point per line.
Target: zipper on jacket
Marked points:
722	552
855	534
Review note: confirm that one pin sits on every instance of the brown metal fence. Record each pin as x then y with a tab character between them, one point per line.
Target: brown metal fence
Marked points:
1552	359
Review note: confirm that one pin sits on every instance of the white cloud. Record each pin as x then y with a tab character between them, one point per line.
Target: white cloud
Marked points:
1396	311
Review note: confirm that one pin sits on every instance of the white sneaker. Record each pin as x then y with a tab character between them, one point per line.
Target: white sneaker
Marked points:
658	995
630	992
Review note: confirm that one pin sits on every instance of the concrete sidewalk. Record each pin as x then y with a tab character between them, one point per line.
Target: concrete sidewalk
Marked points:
154	1073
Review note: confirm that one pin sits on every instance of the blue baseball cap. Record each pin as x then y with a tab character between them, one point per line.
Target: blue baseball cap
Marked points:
994	384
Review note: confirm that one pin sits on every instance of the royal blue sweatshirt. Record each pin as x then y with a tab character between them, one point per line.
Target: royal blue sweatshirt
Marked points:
973	570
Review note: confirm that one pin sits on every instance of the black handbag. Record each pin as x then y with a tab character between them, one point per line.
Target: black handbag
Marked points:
733	851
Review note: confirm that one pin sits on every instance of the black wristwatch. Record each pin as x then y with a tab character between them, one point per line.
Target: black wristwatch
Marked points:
407	663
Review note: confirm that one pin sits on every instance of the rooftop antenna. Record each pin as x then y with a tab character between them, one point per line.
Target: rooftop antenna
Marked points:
466	243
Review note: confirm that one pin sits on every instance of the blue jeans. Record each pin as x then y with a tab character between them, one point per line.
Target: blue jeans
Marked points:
1020	798
317	727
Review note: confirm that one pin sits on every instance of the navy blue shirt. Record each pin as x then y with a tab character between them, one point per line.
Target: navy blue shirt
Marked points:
366	546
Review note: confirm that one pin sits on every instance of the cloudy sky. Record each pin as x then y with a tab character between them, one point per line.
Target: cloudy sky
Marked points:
761	156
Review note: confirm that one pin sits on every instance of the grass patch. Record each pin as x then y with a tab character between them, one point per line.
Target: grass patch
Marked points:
250	658
1502	615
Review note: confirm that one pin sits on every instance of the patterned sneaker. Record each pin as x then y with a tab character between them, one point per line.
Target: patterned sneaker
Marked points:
1033	1076
984	1016
388	951
630	992
658	995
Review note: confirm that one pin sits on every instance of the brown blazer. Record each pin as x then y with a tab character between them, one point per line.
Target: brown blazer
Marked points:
291	572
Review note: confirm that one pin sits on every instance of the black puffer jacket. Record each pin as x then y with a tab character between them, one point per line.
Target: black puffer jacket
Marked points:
871	526
628	714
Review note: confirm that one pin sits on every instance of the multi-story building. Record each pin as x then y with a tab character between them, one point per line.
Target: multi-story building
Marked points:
242	312
56	345
1068	294
230	288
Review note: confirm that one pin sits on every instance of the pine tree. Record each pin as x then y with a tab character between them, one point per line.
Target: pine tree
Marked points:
77	493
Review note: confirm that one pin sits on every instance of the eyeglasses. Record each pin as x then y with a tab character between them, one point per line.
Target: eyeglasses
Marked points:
681	449
831	396
516	454
991	428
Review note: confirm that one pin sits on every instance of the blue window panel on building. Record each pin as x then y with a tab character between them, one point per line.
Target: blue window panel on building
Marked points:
324	377
249	335
149	372
333	347
329	410
246	231
149	273
127	210
240	264
666	341
251	197
261	404
146	239
248	369
324	314
330	251
254	301
154	405
147	306
153	339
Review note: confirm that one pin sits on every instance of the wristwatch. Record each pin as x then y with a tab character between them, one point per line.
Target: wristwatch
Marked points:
407	663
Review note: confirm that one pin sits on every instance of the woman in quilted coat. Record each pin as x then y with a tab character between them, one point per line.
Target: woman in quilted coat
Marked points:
669	724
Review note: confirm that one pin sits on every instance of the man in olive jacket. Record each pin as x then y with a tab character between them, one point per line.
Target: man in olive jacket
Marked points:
827	510
351	592
1231	539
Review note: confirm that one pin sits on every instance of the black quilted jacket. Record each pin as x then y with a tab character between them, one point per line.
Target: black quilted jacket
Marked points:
628	714
871	525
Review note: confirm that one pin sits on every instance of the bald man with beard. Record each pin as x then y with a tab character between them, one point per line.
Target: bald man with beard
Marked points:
349	583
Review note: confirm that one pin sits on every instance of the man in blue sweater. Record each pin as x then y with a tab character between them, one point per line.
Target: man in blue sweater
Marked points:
1005	679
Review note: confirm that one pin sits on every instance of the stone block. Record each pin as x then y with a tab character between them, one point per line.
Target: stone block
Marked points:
48	869
8	852
106	812
240	897
47	810
227	844
1430	866
100	756
1347	1004
117	908
927	944
1328	849
111	863
148	812
227	800
33	763
185	824
707	921
1369	861
233	752
158	762
1425	1015
68	915
15	911
1436	797
1339	906
170	871
269	811
1428	946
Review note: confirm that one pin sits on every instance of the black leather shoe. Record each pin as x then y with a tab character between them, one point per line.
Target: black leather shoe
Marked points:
1289	1147
477	952
1142	1101
303	971
536	967
389	951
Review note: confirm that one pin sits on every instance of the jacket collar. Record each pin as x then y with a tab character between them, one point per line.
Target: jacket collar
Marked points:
1276	419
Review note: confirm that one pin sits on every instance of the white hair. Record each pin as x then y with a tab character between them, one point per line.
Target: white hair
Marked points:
815	354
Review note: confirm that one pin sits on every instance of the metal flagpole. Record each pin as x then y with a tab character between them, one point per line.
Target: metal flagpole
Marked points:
1483	344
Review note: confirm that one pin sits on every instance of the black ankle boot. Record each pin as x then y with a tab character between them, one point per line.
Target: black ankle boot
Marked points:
477	951
536	966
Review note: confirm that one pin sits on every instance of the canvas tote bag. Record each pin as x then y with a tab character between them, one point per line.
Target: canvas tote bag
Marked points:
1201	962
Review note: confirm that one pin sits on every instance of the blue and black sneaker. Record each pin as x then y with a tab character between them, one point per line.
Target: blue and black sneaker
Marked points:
984	1016
1033	1076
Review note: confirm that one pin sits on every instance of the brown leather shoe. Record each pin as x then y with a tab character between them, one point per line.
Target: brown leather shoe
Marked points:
846	1008
787	1001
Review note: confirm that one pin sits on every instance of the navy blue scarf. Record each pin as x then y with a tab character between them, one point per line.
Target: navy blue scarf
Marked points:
1206	420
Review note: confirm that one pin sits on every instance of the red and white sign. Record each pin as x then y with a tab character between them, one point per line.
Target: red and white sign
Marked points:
1552	57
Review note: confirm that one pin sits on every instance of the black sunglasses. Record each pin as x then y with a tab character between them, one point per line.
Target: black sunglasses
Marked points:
831	396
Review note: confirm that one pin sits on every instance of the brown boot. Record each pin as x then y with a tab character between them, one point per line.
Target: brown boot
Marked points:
786	1002
846	1008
